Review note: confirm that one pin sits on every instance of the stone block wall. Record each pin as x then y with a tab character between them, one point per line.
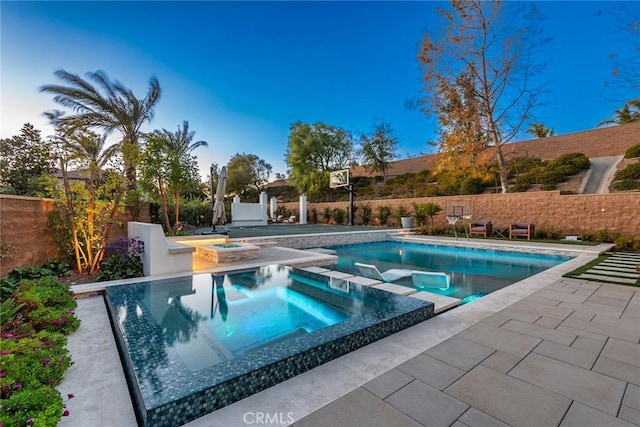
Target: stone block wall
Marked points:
25	235
25	238
568	214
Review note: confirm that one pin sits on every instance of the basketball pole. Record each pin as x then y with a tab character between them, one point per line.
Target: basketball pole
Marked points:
352	200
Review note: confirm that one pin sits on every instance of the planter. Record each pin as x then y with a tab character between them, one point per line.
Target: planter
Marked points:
407	222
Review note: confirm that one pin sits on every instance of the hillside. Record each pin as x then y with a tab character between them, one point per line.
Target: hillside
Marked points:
409	177
611	141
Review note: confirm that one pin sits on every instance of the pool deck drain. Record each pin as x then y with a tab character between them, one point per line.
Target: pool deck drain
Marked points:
366	384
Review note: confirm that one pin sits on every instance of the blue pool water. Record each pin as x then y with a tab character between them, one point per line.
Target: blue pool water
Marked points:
473	272
194	344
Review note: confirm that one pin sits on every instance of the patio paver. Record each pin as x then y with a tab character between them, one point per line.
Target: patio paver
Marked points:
509	399
591	388
426	405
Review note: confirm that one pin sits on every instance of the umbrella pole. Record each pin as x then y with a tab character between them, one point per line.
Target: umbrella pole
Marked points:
213	203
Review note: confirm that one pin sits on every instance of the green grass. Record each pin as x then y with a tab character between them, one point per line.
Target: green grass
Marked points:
580	270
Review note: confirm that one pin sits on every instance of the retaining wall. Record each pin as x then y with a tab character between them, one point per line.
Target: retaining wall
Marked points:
568	214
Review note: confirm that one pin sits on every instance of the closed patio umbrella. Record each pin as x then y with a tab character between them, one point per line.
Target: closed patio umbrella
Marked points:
219	216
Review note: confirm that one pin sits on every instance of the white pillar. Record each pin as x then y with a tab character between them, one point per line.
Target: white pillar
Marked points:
274	208
263	203
303	209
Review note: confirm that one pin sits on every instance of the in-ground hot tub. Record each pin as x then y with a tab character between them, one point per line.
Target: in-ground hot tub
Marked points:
194	344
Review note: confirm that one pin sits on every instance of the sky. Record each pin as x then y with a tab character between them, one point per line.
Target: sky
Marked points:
241	73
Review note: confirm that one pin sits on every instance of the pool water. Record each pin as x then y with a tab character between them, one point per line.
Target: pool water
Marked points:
473	272
193	344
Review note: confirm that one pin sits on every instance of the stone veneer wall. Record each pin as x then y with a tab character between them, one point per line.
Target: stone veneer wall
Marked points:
24	226
307	241
569	214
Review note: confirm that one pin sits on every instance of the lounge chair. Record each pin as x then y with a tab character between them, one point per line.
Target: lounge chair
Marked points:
522	229
430	279
372	272
482	228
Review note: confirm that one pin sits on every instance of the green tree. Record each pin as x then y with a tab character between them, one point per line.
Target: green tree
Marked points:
494	43
629	113
539	130
101	103
180	144
96	204
23	159
313	151
155	171
379	148
89	209
246	173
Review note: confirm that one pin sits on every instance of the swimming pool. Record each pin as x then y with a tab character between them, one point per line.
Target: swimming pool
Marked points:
473	272
194	344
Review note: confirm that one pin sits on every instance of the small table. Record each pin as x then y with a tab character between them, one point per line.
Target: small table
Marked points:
501	232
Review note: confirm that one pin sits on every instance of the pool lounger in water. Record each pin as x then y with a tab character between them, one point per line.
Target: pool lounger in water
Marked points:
372	272
430	279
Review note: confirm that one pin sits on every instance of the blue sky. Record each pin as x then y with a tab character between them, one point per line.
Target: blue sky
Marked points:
242	72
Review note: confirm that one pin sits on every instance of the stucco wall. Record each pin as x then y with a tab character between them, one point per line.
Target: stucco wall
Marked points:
569	214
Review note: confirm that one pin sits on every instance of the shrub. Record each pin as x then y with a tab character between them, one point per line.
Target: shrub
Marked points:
523	165
626	185
424	210
577	161
384	212
633	151
40	406
604	236
338	215
541	234
471	185
123	259
326	215
182	229
34	357
366	214
630	172
623	241
314	216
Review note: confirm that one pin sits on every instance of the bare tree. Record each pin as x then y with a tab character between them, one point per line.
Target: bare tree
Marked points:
494	43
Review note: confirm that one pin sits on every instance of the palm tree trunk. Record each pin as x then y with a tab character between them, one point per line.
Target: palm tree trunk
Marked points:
176	199
163	201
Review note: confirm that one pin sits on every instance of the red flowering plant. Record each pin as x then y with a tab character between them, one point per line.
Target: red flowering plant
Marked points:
33	356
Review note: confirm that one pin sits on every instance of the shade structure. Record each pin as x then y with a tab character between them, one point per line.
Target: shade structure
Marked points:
219	216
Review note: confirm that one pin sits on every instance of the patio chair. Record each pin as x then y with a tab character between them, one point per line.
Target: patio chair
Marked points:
522	229
430	280
482	228
372	272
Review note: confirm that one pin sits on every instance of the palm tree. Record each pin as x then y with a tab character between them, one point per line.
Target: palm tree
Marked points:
539	130
108	105
629	113
180	144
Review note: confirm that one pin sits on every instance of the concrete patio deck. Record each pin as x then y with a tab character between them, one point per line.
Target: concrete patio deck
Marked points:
545	351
